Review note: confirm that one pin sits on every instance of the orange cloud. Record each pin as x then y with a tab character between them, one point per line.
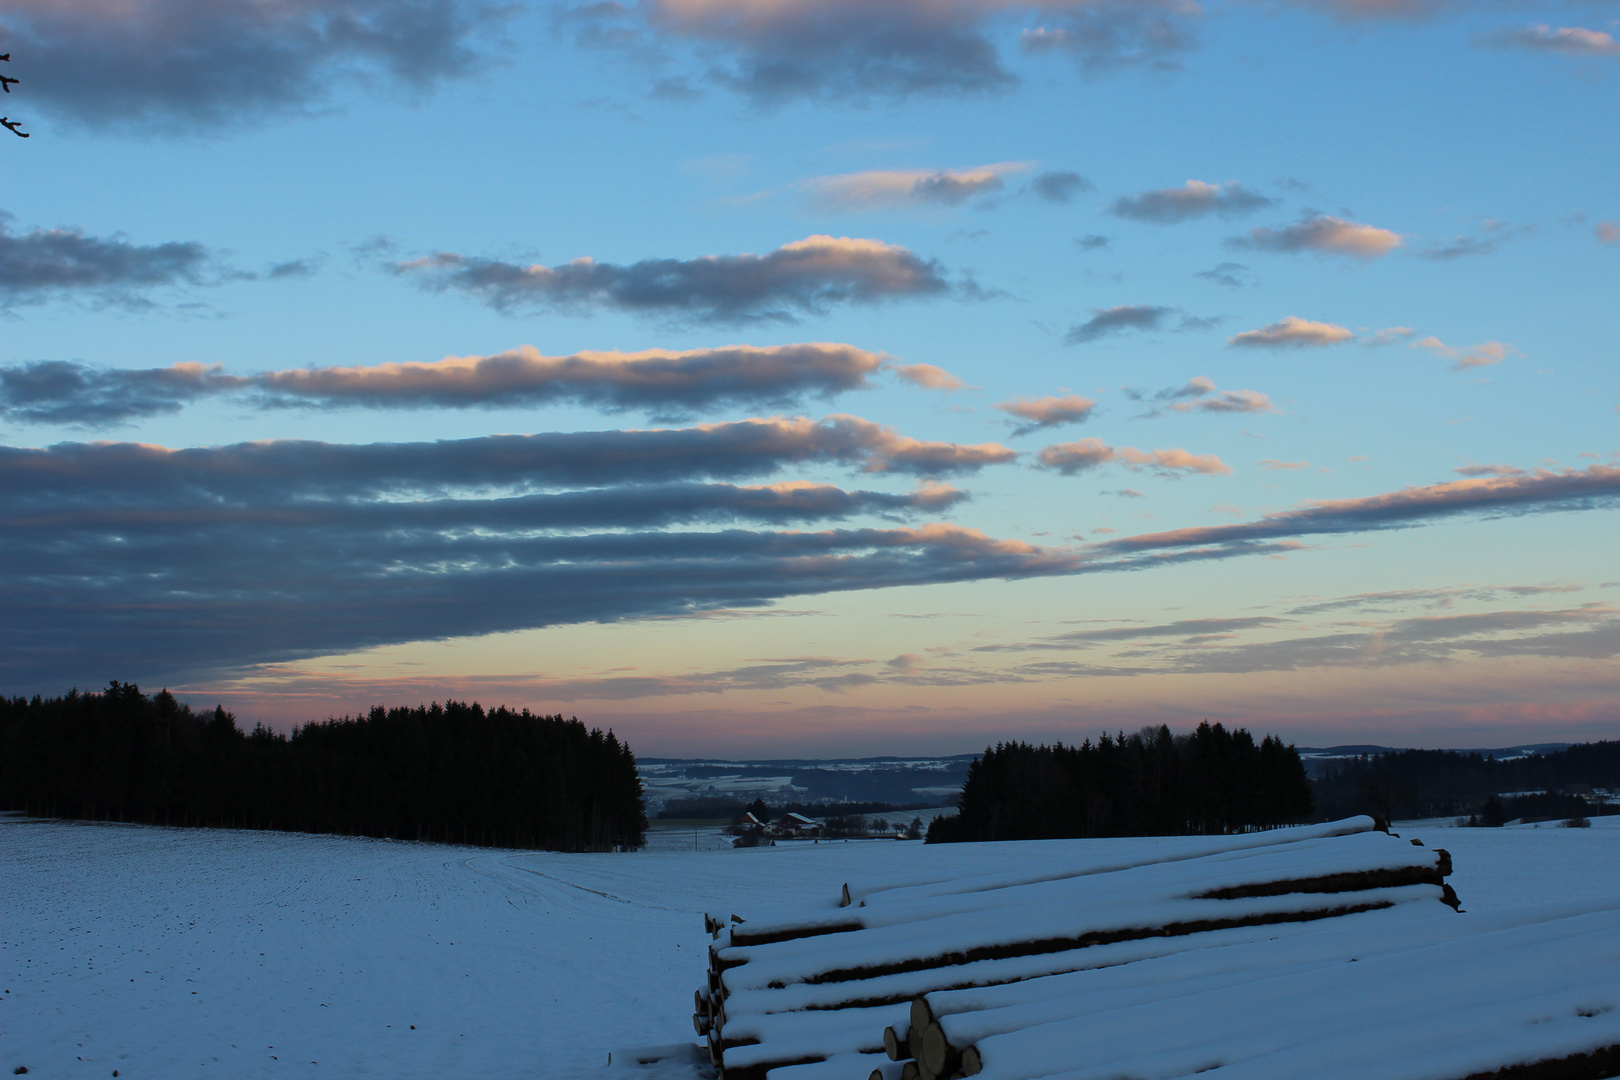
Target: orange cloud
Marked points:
1291	332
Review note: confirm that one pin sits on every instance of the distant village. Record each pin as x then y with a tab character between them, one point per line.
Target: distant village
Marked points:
757	827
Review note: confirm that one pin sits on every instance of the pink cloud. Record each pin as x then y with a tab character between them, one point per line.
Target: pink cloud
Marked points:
1292	332
928	377
1049	411
1483	355
1084	454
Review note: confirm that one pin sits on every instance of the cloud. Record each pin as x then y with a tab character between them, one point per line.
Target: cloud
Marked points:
180	65
1358	10
63	392
1092	242
1061	186
1570	40
1459	247
246	472
1199	395
1229	274
47	264
1103	37
851	49
885	189
1491	352
352	572
1488	470
1188	631
660	381
295	268
1194	199
1607	232
1073	457
1590	631
1273	463
1228	401
1537	491
1118	320
1045	412
150	561
1291	333
928	376
1389	335
805	277
1324	235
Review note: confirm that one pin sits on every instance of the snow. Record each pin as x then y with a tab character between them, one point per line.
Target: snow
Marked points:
198	953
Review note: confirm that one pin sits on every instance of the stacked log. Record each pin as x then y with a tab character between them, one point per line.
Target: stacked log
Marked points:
1533	995
845	986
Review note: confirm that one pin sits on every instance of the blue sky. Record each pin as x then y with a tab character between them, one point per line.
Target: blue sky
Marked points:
768	376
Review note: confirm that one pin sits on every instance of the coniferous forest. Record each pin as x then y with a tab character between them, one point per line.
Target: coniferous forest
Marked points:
1147	784
1447	783
453	772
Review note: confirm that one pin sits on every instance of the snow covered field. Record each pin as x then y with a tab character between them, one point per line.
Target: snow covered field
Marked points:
195	953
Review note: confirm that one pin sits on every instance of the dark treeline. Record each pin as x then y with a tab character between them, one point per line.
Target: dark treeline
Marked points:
1447	783
1147	784
454	772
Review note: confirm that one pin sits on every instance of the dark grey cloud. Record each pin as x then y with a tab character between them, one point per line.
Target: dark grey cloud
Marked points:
662	382
181	64
854	49
1092	242
1230	274
48	264
1199	394
157	561
824	49
1104	37
76	395
520	464
131	561
802	278
1127	317
294	268
1194	199
1061	186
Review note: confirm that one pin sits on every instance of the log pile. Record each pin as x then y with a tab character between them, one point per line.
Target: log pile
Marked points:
943	976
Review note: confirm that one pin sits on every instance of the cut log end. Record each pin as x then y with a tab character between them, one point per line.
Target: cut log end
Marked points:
972	1064
921	1015
844	900
934	1051
909	1071
894	1045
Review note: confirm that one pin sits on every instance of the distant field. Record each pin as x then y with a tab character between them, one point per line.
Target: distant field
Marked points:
198	953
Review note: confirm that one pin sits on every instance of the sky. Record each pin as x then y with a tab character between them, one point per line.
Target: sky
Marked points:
819	377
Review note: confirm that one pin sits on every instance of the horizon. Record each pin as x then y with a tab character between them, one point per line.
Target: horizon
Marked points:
820	379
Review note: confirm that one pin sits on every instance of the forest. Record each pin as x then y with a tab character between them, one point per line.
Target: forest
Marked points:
1448	783
1150	783
454	772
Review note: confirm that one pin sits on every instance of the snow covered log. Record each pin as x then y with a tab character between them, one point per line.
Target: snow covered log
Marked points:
1311	880
800	987
1543	995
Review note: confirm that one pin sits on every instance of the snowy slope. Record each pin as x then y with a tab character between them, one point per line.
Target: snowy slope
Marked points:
194	953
